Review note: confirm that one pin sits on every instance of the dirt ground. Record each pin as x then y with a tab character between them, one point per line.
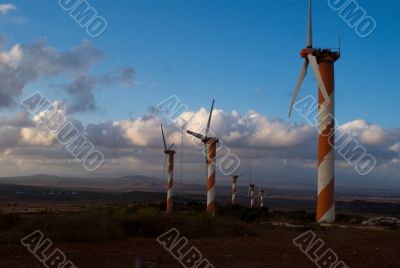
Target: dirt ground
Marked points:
272	247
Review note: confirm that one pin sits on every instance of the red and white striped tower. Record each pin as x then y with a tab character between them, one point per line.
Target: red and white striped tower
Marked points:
326	139
261	198
211	148
322	65
251	192
234	182
170	154
212	152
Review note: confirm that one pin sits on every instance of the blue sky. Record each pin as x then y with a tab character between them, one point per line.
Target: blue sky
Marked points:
245	54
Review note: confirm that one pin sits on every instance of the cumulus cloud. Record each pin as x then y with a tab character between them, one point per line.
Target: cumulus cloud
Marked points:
81	94
108	134
365	132
252	135
24	64
37	136
250	130
81	89
135	145
13	57
143	131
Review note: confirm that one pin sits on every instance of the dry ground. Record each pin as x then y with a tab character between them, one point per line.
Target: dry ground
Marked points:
271	247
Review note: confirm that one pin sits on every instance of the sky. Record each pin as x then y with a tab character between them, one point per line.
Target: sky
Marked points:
245	54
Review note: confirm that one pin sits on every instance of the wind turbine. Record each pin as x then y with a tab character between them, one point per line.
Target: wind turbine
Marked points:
261	198
210	145
169	153
234	191
250	193
322	64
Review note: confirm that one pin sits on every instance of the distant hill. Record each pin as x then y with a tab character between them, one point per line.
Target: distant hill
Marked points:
142	183
126	183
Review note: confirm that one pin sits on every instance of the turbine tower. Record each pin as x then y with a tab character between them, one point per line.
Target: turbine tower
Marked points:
261	198
234	191
322	64
251	195
210	146
170	155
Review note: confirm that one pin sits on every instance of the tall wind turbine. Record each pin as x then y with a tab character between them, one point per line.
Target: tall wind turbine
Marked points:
169	153
322	64
210	144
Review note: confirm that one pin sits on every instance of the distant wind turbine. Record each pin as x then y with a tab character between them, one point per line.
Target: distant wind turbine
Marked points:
234	189
210	144
169	153
261	198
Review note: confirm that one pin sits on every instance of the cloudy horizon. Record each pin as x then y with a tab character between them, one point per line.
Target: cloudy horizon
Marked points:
112	98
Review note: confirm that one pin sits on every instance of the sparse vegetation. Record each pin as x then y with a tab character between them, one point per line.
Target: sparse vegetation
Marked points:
114	223
149	220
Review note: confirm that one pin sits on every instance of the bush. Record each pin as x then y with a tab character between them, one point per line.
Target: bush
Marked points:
344	218
293	217
244	213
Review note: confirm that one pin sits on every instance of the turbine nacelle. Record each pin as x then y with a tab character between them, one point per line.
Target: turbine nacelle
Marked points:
167	150
235	177
205	138
306	51
320	53
210	140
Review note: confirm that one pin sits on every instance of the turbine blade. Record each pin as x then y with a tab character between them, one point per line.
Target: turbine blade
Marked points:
209	117
162	132
298	86
170	147
314	66
309	30
197	135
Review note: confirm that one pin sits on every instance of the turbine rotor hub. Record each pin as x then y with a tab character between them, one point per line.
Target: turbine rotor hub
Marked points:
306	51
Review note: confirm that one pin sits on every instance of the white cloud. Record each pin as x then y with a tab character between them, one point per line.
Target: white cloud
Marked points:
142	131
365	132
7	152
5	8
26	63
13	57
36	136
395	148
272	146
251	129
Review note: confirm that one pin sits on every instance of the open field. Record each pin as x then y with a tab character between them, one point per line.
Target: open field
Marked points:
113	227
114	236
